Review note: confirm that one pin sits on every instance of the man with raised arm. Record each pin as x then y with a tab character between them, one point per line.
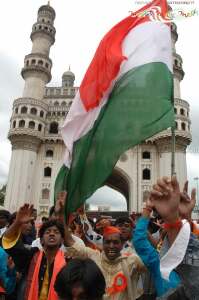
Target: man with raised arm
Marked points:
39	268
121	272
175	270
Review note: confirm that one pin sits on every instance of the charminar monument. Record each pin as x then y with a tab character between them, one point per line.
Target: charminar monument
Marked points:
37	146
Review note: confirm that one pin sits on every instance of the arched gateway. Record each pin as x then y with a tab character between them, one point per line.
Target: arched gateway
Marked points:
119	181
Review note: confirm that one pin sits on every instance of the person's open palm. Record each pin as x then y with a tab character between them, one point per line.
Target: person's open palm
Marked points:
165	198
60	202
25	214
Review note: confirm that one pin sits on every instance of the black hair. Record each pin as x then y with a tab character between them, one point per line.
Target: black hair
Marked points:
49	224
84	272
122	220
4	213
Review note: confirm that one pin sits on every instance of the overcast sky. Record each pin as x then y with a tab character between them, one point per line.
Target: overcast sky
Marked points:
80	24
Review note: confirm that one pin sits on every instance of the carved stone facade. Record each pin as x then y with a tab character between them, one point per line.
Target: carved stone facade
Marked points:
37	146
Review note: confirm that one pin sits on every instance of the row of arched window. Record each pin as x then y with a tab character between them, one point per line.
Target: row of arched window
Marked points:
43	27
57	113
53	129
39	62
181	126
146	173
63	103
32	111
182	111
64	91
31	125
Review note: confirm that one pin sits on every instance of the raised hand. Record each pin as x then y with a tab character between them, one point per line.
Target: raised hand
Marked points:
187	204
24	214
60	203
165	198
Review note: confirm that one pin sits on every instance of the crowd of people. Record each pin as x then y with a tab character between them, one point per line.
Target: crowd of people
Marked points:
155	256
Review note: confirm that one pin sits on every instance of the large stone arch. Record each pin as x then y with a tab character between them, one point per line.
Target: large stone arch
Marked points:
120	181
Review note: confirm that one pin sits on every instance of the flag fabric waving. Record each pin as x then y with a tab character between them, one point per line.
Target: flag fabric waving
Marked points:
125	97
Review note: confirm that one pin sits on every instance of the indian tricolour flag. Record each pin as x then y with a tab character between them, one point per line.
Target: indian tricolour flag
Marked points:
125	97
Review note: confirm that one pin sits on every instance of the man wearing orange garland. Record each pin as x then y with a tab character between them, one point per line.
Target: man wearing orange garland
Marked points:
121	272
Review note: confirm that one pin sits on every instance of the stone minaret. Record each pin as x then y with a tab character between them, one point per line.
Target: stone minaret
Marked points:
28	119
182	133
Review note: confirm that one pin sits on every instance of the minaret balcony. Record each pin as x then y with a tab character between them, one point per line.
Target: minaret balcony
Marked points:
182	134
29	70
25	140
37	62
29	102
181	102
40	29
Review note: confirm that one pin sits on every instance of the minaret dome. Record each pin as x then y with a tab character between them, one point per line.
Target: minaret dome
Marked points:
68	78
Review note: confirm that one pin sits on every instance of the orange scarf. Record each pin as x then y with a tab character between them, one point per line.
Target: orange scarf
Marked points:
59	262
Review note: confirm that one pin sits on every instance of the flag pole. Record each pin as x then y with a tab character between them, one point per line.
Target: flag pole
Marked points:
173	141
173	146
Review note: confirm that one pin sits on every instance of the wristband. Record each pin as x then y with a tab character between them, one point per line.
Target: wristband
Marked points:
174	225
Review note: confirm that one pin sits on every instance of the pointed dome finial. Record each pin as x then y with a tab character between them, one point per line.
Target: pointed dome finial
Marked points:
69	68
48	2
